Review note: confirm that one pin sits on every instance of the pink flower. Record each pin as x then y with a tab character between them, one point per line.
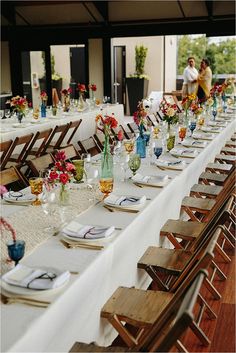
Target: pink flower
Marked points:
3	190
4	224
64	178
120	135
60	156
70	167
53	175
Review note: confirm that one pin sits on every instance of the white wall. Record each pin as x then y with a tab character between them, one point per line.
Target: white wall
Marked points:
5	68
154	60
170	63
96	65
36	64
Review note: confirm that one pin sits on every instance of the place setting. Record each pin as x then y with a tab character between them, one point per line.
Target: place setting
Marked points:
156	181
186	153
197	135
124	203
189	142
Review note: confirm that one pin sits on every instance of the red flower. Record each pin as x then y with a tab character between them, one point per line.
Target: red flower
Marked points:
93	87
64	178
70	167
60	156
120	135
66	91
53	175
81	87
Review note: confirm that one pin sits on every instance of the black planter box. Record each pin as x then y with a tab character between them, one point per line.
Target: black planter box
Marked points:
137	89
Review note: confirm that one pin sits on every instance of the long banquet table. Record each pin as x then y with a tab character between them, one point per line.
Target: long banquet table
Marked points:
74	314
9	131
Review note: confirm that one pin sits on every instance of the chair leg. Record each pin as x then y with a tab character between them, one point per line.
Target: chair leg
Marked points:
200	334
212	289
152	273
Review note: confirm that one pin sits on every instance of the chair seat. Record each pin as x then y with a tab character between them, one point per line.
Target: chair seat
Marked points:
225	158
184	230
198	204
226	168
206	190
171	261
230	143
136	306
229	150
213	177
91	347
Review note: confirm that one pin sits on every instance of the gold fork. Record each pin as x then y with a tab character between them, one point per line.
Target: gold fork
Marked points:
29	301
80	245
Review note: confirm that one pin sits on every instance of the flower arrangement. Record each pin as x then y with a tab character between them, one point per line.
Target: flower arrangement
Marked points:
82	87
43	96
66	92
169	112
92	87
196	109
62	171
105	124
18	104
210	102
187	102
140	115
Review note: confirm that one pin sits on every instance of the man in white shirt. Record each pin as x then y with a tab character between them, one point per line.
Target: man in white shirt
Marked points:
190	78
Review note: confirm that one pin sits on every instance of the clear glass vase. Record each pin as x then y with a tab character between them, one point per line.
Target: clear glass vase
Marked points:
64	195
170	141
106	177
66	105
81	102
43	110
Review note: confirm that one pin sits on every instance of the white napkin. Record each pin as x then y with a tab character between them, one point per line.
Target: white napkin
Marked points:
193	143
76	230
200	136
124	201
182	152
152	180
18	196
209	128
23	276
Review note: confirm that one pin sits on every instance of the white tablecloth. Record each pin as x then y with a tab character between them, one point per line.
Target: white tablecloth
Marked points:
86	129
74	315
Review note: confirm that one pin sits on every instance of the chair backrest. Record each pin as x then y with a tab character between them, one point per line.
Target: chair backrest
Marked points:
175	320
11	176
89	146
4	148
99	139
134	128
58	134
73	125
40	163
42	136
22	141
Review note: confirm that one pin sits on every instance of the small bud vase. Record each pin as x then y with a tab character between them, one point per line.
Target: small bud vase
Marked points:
141	143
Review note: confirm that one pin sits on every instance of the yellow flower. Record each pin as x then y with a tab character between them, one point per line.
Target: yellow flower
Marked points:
170	112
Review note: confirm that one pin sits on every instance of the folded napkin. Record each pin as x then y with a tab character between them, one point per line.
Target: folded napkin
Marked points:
76	230
209	128
167	163
194	143
182	152
152	180
18	196
126	201
200	136
23	276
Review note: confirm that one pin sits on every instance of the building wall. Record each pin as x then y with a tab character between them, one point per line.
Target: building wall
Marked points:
170	63
5	68
96	65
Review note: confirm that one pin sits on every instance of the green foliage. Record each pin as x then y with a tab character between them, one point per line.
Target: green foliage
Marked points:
220	55
55	76
140	57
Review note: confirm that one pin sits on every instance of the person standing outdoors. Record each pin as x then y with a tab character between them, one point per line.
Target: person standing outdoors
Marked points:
190	75
204	80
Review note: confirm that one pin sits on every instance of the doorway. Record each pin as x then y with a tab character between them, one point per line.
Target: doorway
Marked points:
119	56
77	68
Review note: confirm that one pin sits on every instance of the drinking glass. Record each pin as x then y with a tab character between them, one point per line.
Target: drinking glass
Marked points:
129	145
79	168
92	182
8	113
158	151
192	126
156	131
214	113
124	159
182	132
49	204
36	185
106	186
16	250
134	163
201	121
86	157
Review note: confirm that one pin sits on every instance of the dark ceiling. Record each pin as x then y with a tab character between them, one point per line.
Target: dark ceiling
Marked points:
119	18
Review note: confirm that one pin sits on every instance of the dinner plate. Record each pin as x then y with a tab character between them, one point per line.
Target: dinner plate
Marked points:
11	199
20	126
22	291
189	153
133	205
203	136
195	144
153	180
179	165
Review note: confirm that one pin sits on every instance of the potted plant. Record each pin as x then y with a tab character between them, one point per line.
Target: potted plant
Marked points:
56	78
137	84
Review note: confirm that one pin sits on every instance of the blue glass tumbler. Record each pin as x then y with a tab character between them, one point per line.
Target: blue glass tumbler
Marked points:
16	250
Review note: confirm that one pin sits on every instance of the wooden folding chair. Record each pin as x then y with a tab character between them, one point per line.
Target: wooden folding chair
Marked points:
209	191
223	158
12	159
134	128
12	177
56	138
89	146
219	168
127	134
116	130
209	178
40	137
99	139
143	309
40	163
73	127
230	143
168	331
228	150
4	148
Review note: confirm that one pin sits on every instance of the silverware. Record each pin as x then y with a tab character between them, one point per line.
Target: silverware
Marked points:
69	245
113	209
28	301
